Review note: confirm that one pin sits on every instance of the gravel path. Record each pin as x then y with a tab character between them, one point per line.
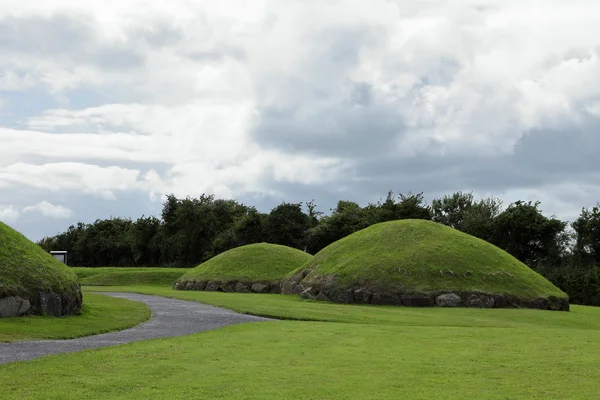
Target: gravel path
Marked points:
170	317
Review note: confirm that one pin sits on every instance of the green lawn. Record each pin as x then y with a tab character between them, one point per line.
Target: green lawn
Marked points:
128	276
99	314
351	352
317	360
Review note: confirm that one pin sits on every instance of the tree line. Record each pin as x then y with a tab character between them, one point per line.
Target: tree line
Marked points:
192	230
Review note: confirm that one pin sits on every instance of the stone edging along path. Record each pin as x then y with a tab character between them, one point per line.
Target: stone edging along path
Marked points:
170	317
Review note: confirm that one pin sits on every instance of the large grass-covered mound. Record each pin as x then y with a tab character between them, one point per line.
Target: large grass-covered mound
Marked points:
255	267
32	281
421	263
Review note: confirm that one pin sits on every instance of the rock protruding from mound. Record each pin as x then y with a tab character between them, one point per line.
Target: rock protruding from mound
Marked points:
416	263
14	306
254	268
32	282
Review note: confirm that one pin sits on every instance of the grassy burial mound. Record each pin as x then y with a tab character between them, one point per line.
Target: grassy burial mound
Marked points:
255	268
421	263
32	281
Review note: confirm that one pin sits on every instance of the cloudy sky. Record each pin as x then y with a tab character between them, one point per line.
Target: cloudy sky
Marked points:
107	106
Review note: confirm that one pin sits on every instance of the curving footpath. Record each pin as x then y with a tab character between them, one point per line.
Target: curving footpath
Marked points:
170	317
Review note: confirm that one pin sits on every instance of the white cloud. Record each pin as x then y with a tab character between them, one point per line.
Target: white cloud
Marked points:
50	210
11	81
91	179
8	213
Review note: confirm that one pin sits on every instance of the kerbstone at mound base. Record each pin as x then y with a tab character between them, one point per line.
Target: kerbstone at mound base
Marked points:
448	300
260	288
13	306
363	296
58	305
417	300
241	288
51	304
480	301
381	298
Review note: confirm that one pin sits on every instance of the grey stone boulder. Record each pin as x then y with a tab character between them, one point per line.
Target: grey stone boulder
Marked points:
260	288
51	304
289	287
13	306
417	300
448	300
322	297
480	301
307	294
339	295
557	304
362	296
212	286
241	288
504	302
228	286
275	289
390	299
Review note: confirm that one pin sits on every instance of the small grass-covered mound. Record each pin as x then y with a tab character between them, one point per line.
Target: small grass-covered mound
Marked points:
116	276
32	281
255	267
421	263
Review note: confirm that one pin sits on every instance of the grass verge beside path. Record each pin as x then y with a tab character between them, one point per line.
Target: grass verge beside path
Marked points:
314	360
100	314
106	276
292	307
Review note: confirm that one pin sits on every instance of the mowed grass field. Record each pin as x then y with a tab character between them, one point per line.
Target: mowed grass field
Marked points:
334	351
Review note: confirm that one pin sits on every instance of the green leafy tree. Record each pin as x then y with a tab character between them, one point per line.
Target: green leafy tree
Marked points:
452	210
587	236
345	219
143	241
528	235
286	224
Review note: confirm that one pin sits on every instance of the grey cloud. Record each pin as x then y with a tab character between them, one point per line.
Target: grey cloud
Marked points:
567	151
322	111
441	72
341	130
218	54
159	34
62	35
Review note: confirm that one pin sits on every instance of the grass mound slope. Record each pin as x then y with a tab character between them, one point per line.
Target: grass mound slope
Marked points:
255	268
421	263
32	281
